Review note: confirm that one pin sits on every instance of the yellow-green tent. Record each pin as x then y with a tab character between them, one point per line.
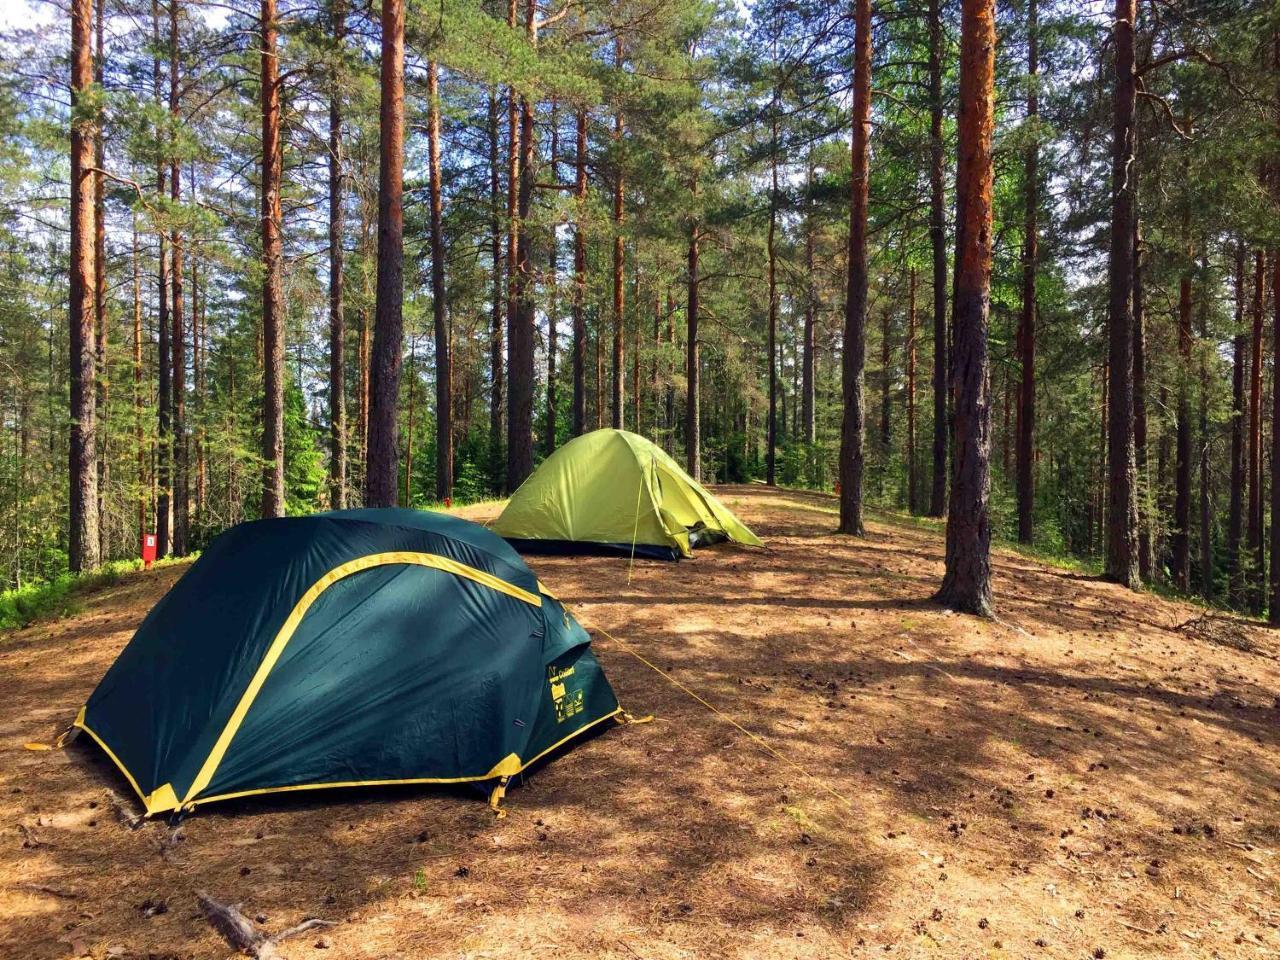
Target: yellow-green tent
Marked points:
610	491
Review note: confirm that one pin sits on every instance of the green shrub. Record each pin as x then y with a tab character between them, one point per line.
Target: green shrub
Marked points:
47	599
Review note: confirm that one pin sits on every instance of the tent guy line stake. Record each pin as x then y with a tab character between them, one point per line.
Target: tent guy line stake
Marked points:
759	741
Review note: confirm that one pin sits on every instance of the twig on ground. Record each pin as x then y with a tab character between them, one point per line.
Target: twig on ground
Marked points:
240	932
51	891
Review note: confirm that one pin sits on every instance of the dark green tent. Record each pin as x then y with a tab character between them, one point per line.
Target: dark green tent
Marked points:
345	649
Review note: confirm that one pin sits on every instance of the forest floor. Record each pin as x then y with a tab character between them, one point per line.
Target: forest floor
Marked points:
1097	775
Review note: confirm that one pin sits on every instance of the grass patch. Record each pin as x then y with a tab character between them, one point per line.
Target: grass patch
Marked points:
59	597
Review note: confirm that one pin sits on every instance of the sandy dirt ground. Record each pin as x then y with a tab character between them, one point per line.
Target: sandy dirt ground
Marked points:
1095	776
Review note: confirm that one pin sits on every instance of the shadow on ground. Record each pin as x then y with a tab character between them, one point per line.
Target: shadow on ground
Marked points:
1081	776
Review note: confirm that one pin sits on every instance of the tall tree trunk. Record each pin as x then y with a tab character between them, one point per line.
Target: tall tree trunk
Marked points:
771	456
966	585
693	360
886	381
553	281
200	338
855	317
580	277
497	393
807	382
164	435
388	327
513	190
619	254
637	395
1273	613
1122	501
913	491
599	381
364	352
1146	558
439	305
938	243
1181	533
1253	542
337	318
1026	423
670	418
1206	511
138	407
1235	522
273	281
101	319
82	549
521	330
181	466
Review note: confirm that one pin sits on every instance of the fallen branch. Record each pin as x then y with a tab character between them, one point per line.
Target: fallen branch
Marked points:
1134	926
313	923
51	891
239	931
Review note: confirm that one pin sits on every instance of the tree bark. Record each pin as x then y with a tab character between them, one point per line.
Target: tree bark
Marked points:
181	466
101	319
1273	613
1146	558
337	318
1235	522
938	243
164	436
273	282
693	360
513	190
886	382
388	328
82	549
1253	541
439	303
1180	536
670	418
855	317
521	330
619	254
966	585
580	277
771	455
553	284
1026	422
1122	501
497	372
807	383
138	407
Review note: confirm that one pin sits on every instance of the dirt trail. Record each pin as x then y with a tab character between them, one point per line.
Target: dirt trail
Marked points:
1081	779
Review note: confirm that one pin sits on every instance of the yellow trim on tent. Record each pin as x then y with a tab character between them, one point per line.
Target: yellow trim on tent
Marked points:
504	768
159	800
220	746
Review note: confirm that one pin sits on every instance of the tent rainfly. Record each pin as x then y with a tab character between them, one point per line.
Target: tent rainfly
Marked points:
346	649
610	491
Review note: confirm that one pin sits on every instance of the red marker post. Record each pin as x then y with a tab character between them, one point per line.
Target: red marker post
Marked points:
148	550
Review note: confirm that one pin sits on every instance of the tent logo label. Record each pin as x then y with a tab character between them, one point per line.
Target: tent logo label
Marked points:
568	704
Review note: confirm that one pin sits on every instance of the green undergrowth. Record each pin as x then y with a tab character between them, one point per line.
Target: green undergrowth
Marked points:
60	597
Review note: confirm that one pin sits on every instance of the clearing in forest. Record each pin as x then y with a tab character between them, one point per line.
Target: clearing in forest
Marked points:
1096	775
